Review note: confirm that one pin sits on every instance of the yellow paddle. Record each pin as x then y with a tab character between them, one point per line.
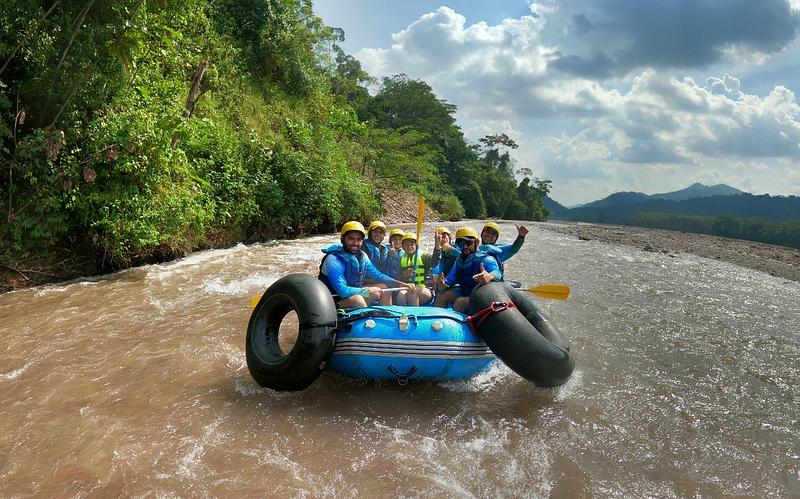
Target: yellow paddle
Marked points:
550	291
420	217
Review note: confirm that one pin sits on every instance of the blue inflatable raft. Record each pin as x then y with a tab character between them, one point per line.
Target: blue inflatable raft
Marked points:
402	343
392	342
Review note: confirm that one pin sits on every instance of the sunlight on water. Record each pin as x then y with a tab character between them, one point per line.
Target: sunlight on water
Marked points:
687	383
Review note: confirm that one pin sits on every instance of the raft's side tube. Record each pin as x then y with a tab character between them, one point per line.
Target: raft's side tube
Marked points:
523	337
315	309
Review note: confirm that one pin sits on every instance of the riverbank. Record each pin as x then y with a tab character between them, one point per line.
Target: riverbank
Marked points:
72	263
779	261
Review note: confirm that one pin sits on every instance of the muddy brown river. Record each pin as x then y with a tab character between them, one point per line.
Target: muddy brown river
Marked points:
135	384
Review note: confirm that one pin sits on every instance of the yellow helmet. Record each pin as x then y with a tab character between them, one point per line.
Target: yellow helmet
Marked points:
409	235
396	232
442	230
376	223
466	232
493	226
353	225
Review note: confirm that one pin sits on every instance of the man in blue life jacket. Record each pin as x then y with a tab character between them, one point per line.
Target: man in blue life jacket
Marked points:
501	252
373	246
344	268
472	267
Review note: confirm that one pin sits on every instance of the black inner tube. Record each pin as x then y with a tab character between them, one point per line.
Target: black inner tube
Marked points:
296	370
522	337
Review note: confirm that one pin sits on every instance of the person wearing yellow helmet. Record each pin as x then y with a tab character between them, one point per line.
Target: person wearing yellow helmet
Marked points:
472	267
395	252
345	267
373	245
447	258
501	252
414	265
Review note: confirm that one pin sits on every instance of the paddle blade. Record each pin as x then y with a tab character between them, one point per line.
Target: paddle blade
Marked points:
254	300
550	291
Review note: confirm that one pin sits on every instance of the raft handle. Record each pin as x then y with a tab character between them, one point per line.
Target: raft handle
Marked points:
402	378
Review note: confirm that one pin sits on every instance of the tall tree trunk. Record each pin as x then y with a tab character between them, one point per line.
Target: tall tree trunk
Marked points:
193	97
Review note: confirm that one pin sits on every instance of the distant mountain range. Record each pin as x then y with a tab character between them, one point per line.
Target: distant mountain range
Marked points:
697	199
695	190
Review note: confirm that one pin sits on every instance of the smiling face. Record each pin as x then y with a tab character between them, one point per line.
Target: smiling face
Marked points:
489	236
395	241
409	246
466	245
377	234
352	241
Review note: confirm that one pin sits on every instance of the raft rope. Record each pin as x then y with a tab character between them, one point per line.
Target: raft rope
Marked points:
475	320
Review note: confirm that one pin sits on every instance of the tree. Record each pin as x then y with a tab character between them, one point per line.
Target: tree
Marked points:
348	78
402	102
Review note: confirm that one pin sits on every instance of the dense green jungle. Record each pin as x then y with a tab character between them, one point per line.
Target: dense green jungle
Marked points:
135	131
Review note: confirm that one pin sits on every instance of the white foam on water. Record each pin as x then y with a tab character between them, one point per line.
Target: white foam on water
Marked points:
569	389
191	465
246	386
219	285
299	473
15	373
480	382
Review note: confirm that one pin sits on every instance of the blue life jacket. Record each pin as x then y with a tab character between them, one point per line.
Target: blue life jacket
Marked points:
446	261
393	263
496	252
354	267
377	253
465	268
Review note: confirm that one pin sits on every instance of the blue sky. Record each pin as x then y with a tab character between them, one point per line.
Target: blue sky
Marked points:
605	95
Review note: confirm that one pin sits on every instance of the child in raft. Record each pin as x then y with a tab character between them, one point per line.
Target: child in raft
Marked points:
412	269
395	252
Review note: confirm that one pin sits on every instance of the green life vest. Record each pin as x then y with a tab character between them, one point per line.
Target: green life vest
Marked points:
408	261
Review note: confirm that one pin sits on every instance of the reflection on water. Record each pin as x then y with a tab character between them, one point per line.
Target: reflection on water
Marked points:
687	384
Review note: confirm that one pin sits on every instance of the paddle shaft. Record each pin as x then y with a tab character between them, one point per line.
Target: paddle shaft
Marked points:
420	218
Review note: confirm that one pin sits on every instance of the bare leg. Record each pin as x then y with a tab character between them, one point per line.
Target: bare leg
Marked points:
461	304
424	295
355	301
412	299
386	298
402	297
443	299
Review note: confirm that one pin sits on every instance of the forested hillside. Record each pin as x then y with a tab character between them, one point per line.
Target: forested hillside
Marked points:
139	130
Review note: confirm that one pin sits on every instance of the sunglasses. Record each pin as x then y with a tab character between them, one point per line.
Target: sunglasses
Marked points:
465	243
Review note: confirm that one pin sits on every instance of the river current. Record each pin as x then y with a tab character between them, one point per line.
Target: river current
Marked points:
687	384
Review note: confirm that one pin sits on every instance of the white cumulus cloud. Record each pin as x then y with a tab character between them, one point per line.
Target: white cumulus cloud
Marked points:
600	94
